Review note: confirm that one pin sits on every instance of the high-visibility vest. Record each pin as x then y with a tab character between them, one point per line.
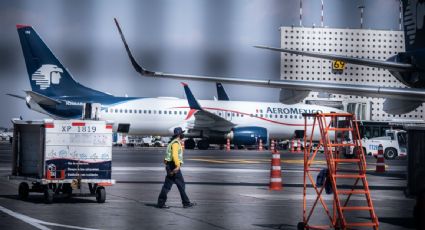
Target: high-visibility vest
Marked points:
169	153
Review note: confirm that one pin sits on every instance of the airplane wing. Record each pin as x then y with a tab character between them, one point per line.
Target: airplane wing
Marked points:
204	119
408	94
390	65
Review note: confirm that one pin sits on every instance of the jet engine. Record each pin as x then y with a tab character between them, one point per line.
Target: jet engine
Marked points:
249	135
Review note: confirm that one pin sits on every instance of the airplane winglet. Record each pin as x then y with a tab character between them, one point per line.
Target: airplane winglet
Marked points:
19	26
193	103
136	65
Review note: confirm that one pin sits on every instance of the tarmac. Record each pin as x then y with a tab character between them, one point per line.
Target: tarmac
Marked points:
230	189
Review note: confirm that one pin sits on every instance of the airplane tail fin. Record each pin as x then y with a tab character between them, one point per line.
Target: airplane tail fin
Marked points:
414	24
221	93
46	73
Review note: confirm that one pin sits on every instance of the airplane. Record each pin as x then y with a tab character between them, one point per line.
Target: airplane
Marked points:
55	92
407	67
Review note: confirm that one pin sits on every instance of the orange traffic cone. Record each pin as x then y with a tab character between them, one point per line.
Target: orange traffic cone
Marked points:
272	146
299	146
380	164
292	146
260	146
275	173
124	141
228	145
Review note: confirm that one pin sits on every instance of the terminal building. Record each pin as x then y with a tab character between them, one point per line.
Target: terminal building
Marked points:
363	43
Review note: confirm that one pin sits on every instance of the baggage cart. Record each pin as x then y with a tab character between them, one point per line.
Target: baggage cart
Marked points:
61	157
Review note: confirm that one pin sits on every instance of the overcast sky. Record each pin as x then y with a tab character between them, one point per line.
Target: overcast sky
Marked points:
209	37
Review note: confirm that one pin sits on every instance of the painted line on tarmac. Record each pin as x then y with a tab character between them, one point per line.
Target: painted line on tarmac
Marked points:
250	161
200	169
38	223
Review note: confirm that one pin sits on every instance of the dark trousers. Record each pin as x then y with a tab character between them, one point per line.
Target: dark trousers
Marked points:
168	183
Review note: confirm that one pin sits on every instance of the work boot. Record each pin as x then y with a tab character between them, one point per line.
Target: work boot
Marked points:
190	205
164	206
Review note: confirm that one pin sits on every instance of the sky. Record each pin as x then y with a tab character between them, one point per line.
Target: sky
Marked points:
205	37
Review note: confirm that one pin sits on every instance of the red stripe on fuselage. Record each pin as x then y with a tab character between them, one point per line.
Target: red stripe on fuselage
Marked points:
246	114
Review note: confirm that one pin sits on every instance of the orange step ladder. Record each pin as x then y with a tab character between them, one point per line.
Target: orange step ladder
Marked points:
351	203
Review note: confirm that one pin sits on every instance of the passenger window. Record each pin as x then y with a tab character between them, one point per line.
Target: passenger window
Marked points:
120	110
149	111
159	112
130	111
175	112
180	112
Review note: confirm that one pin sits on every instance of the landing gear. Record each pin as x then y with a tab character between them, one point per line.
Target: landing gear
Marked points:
203	144
189	144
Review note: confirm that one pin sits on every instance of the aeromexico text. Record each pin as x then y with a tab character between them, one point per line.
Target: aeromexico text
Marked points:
292	110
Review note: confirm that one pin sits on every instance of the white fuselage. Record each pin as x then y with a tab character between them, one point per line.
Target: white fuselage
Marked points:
159	116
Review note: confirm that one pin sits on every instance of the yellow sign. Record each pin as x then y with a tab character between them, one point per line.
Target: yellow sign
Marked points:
338	65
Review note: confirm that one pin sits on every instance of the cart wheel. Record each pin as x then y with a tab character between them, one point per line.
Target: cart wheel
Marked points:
48	195
300	226
23	191
67	190
100	194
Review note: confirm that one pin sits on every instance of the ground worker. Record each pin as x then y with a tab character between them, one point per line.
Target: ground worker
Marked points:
173	161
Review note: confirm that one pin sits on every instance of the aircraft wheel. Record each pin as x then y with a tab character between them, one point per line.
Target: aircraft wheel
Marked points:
189	143
203	144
